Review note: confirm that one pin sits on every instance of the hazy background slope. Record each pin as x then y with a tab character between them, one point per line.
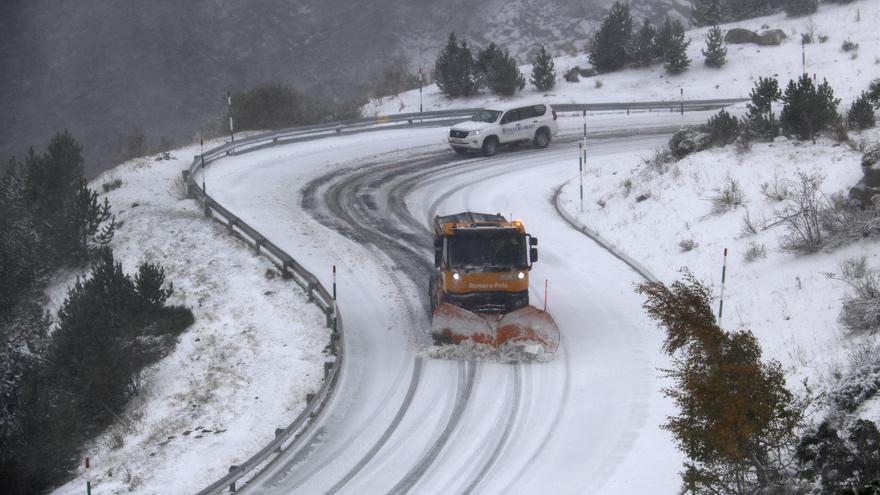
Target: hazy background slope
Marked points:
101	68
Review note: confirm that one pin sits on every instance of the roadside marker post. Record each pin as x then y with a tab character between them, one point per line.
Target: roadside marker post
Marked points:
229	107
581	159
88	478
723	280
334	298
204	172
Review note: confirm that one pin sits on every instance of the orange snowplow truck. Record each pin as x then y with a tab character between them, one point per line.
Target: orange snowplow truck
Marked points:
480	291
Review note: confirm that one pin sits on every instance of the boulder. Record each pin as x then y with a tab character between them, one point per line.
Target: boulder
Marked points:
572	75
586	72
738	36
871	166
864	194
771	37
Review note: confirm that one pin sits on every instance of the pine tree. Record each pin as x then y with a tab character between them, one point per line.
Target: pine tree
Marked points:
861	114
708	12
808	110
676	57
760	121
503	76
715	51
643	47
543	71
874	92
722	128
663	39
795	8
484	61
609	46
89	222
454	69
737	420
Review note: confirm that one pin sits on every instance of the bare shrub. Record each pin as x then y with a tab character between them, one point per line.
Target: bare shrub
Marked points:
846	221
179	189
802	215
728	197
660	161
754	252
778	190
687	245
751	227
627	186
111	185
849	46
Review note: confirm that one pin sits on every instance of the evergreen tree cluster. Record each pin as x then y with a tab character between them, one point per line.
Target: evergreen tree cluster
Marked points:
808	109
50	217
616	45
460	73
861	114
714	12
109	328
56	390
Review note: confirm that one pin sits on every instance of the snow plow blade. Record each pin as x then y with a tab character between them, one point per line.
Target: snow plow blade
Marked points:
528	328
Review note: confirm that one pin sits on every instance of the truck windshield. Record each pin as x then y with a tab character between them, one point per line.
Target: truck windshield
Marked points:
488	250
487	116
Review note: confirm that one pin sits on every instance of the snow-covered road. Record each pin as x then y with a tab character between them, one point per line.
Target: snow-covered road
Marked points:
401	422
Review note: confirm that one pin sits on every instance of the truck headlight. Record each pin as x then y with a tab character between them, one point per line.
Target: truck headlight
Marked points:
520	275
456	276
475	133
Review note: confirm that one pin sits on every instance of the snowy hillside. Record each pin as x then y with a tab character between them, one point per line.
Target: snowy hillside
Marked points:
848	73
256	344
668	218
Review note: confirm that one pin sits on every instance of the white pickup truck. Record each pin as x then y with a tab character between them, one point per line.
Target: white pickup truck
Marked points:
494	126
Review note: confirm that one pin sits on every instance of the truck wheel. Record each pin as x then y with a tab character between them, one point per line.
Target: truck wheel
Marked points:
490	146
542	138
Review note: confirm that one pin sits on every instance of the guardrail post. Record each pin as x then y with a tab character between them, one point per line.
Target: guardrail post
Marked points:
329	314
230	225
207	207
232	485
334	343
328	365
311	291
257	244
278	432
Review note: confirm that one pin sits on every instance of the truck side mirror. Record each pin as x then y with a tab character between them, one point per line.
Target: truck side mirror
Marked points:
533	254
533	241
438	252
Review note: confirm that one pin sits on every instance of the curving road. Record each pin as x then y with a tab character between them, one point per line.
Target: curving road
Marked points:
400	422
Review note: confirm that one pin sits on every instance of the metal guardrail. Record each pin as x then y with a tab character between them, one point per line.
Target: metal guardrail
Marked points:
317	293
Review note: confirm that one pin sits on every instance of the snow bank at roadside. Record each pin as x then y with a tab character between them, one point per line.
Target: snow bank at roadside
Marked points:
664	220
256	344
745	63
